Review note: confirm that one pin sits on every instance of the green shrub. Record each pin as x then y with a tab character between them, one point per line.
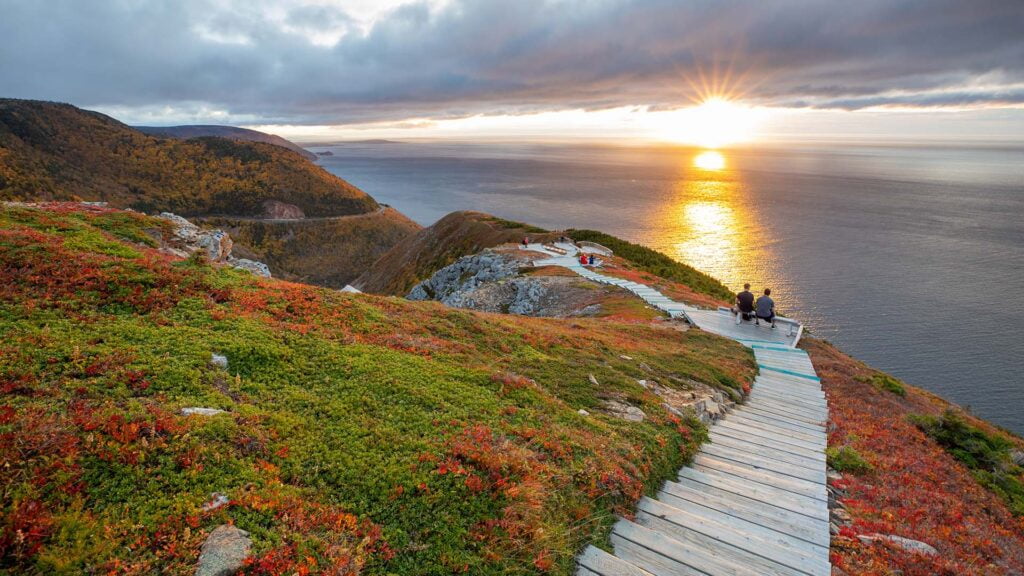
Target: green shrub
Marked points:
987	455
886	383
847	459
656	263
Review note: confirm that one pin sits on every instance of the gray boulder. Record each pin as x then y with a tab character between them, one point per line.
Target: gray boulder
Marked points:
901	542
224	551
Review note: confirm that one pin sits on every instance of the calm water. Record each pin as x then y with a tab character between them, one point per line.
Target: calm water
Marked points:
911	259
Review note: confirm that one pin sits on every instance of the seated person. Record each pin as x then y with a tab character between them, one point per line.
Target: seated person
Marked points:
583	259
765	308
744	304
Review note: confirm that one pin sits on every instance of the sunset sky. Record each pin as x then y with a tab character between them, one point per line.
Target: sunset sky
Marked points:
605	69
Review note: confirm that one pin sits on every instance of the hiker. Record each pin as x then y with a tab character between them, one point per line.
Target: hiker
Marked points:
744	304
765	308
526	241
590	259
583	259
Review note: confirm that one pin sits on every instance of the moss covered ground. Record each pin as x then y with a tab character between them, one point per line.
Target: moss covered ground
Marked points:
361	434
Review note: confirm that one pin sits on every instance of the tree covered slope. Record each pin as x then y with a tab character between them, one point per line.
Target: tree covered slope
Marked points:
51	151
360	434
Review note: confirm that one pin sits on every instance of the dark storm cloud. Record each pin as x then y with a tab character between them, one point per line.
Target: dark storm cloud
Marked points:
257	60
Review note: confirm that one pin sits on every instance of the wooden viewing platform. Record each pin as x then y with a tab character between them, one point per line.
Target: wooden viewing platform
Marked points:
753	502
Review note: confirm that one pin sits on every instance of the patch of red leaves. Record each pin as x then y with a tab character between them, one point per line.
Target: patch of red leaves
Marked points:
916	489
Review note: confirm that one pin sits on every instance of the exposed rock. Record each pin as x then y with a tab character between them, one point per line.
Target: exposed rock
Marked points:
593	380
583	412
901	542
624	411
197	411
216	245
841	515
490	281
216	501
350	289
624	357
1017	456
257	268
189	238
277	210
219	360
224	551
451	282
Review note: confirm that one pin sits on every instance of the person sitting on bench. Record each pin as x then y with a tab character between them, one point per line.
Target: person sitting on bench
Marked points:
765	308
744	304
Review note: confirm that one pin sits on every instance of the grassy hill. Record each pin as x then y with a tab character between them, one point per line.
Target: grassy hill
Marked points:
361	433
51	151
230	132
457	234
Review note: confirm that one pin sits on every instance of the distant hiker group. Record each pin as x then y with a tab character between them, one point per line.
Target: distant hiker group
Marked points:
761	309
586	259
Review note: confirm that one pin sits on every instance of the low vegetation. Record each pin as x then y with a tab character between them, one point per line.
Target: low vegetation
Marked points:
656	263
361	434
883	381
917	489
987	455
846	459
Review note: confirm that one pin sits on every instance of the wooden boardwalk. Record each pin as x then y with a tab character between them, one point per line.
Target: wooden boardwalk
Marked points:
753	502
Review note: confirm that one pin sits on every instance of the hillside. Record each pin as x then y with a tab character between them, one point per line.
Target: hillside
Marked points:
327	252
230	132
457	234
51	151
359	434
363	434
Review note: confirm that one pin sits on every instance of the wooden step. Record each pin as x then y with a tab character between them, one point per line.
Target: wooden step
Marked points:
735	539
742	431
812	472
755	490
593	561
817	439
687	492
780	420
785	412
761	474
662	555
816	462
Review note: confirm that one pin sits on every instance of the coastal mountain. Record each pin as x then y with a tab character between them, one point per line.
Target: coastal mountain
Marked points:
282	209
230	132
54	151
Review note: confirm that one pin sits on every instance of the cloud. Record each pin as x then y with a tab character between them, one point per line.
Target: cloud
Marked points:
310	62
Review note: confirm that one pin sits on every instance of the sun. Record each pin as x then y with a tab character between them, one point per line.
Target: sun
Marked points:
709	160
714	123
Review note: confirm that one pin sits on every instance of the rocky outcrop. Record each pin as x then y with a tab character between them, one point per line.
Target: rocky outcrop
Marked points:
491	282
224	551
188	238
277	210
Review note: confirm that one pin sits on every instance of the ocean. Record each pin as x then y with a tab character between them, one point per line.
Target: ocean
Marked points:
910	258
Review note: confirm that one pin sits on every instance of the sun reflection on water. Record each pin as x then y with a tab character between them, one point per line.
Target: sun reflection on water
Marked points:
705	221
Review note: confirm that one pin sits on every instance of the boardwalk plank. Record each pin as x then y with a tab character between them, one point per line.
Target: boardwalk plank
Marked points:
732	535
769	494
748	447
686	492
808	470
599	562
743	431
707	463
665	556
